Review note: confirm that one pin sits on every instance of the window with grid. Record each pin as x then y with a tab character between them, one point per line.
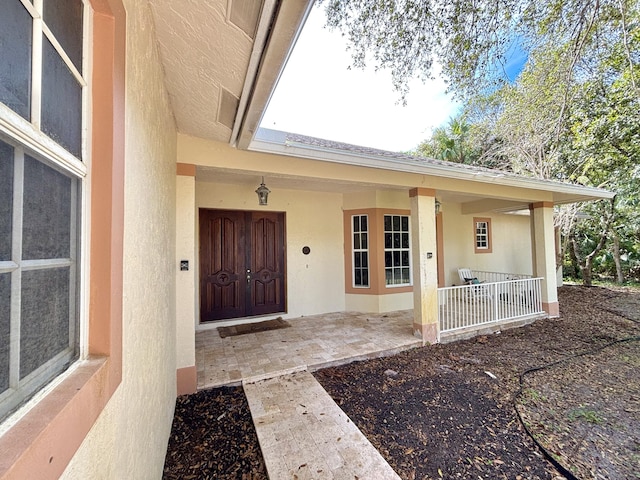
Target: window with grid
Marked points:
42	171
360	250
397	250
482	235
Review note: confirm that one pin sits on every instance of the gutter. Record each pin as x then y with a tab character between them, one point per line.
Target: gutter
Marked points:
304	150
278	31
262	33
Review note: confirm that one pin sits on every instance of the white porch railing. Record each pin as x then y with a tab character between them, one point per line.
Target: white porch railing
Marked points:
469	306
489	277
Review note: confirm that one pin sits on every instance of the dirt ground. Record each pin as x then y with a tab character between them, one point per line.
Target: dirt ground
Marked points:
452	411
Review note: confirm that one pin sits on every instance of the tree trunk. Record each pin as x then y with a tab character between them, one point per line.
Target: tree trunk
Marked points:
573	254
586	264
616	257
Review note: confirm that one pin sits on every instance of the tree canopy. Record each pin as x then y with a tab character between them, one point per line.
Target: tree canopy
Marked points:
472	41
572	114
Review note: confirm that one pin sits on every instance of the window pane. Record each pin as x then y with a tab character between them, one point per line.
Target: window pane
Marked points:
44	325
15	57
47	212
5	324
365	278
388	259
6	199
64	19
356	240
396	240
405	258
387	223
61	101
363	223
405	240
365	259
388	273
405	275
396	223
356	259
356	224
405	224
388	243
364	240
358	277
396	259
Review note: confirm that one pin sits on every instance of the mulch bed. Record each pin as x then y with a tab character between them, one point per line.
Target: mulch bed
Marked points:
449	411
213	437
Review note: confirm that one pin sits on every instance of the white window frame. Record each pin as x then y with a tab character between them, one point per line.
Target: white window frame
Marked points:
360	250
400	249
26	137
482	235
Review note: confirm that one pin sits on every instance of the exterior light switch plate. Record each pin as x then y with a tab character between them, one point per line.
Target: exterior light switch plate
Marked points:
184	265
429	255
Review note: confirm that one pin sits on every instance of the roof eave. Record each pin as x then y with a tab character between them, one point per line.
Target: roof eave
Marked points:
279	29
563	192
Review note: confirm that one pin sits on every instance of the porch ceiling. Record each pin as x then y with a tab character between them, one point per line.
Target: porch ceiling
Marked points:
470	202
221	60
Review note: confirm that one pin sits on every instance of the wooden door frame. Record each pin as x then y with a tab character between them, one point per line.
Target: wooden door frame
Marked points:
246	238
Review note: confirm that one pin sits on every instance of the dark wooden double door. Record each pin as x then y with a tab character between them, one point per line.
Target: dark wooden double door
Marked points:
242	264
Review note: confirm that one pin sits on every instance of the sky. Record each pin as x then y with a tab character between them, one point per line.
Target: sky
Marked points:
317	95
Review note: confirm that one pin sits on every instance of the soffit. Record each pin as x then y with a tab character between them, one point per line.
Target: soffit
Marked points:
213	53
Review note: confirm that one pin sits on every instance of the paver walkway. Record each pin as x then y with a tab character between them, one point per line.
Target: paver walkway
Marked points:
303	434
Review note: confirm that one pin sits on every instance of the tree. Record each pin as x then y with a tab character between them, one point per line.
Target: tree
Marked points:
472	41
450	143
571	115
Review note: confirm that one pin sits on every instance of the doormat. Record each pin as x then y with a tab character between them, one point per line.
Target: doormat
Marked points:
253	327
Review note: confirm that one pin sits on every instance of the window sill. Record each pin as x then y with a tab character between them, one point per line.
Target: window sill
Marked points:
43	441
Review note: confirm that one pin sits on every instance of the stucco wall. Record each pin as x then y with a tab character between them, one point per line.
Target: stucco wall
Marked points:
315	282
511	241
129	439
186	299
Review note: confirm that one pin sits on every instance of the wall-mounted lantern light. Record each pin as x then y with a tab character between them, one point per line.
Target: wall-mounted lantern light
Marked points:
438	204
263	193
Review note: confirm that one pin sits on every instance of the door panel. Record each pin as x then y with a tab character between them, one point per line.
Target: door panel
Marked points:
222	258
267	263
242	266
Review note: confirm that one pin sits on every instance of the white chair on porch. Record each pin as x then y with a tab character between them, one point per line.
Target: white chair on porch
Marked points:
480	290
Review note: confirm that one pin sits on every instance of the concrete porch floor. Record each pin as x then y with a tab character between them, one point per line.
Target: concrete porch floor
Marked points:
302	433
310	343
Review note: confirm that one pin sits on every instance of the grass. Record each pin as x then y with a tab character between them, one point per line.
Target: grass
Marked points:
588	415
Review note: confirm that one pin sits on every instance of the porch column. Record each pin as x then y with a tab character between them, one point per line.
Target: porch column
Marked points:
424	261
186	373
544	254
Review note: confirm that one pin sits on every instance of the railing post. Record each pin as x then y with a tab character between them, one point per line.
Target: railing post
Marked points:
495	301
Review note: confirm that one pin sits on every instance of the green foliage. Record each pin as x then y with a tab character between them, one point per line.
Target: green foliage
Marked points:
572	115
470	41
586	414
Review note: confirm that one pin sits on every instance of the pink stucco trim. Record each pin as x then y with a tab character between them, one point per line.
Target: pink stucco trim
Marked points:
552	308
42	443
187	380
185	169
428	332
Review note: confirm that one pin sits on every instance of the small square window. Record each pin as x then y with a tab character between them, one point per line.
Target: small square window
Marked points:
482	235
